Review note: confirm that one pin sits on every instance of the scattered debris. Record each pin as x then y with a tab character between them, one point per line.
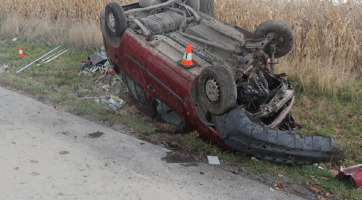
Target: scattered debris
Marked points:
354	173
254	159
280	175
333	171
318	166
16	168
64	152
93	64
260	178
77	95
37	60
34	161
95	134
103	51
107	87
213	160
3	69
14	39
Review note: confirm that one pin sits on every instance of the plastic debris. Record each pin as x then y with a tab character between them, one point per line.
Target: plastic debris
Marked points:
107	88
77	94
113	107
103	51
213	160
14	39
333	171
3	69
106	102
115	98
318	166
354	173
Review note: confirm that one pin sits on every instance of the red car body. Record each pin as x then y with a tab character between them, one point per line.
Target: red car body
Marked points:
231	96
172	85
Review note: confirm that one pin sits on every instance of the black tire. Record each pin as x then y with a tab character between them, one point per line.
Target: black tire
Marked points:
194	4
116	21
223	95
284	36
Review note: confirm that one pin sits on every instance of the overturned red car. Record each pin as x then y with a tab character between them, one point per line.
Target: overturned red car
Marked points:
230	94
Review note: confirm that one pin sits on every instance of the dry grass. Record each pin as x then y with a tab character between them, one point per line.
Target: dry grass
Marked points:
327	55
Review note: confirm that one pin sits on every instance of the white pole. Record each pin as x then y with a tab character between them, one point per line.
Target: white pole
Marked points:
56	56
45	59
37	60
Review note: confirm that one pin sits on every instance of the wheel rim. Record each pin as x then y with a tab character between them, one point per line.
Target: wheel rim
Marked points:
212	90
281	41
112	22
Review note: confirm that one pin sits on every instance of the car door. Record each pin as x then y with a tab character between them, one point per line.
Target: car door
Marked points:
165	83
134	59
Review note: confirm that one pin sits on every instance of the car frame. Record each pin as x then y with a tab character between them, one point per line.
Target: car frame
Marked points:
218	94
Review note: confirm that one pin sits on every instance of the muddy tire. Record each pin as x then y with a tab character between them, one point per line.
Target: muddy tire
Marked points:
284	36
116	21
217	90
194	4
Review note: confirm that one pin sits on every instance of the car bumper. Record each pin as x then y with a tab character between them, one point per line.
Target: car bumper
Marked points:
245	134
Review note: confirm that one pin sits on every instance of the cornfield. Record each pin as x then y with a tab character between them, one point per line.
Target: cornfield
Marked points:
326	57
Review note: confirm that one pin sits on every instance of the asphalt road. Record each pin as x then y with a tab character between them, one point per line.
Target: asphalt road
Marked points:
47	154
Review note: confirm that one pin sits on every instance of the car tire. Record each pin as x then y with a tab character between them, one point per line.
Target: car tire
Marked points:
217	89
194	4
116	21
283	31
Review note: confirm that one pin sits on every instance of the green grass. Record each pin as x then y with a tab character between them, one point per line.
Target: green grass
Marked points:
319	114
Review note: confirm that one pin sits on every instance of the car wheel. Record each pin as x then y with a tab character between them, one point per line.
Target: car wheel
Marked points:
194	4
217	89
116	21
284	36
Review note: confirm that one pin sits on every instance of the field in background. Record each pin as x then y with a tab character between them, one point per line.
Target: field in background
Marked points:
327	56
